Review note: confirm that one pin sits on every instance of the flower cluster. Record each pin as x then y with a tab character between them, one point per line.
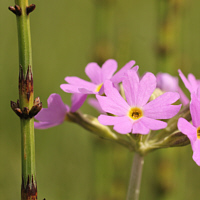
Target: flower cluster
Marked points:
129	103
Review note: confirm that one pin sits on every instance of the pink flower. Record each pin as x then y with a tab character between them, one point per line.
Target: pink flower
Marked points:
192	131
56	112
137	115
97	76
169	83
191	83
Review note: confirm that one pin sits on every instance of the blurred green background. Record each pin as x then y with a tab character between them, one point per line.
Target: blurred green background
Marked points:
72	164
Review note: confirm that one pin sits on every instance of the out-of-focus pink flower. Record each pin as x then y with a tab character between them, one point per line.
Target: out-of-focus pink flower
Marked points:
169	83
97	76
56	112
137	115
192	131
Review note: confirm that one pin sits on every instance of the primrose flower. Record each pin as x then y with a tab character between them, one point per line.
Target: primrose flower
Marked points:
97	76
192	131
169	83
55	114
191	83
137	115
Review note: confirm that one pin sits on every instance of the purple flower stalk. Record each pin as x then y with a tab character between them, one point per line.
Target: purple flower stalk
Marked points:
137	115
97	76
56	112
192	131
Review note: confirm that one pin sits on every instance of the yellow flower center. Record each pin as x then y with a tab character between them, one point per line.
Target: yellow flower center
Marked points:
98	87
198	132
135	113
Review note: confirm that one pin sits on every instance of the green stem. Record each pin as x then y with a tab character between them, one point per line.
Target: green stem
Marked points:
24	37
29	187
135	179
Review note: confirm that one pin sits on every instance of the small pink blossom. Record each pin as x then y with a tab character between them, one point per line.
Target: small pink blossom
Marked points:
136	115
56	112
192	131
191	83
97	76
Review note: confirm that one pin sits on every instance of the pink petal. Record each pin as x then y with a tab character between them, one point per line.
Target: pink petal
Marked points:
76	84
130	84
162	111
108	69
196	152
153	124
94	72
122	125
80	83
195	110
139	127
183	98
160	107
55	112
146	87
113	94
193	82
185	81
113	107
45	125
69	88
117	78
167	82
188	129
77	101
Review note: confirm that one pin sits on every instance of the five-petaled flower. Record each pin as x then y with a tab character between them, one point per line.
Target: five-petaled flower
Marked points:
56	112
137	115
192	131
97	76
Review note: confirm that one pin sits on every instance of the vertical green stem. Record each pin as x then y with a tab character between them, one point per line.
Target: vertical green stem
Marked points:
135	178
29	186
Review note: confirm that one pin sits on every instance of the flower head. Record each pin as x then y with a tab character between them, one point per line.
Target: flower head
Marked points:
192	131
55	114
97	76
137	115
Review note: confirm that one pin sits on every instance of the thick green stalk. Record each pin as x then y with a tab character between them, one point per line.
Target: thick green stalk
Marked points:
25	103
135	178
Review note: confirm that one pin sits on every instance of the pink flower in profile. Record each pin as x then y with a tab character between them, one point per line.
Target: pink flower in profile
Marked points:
56	112
97	76
137	115
192	131
169	83
191	83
